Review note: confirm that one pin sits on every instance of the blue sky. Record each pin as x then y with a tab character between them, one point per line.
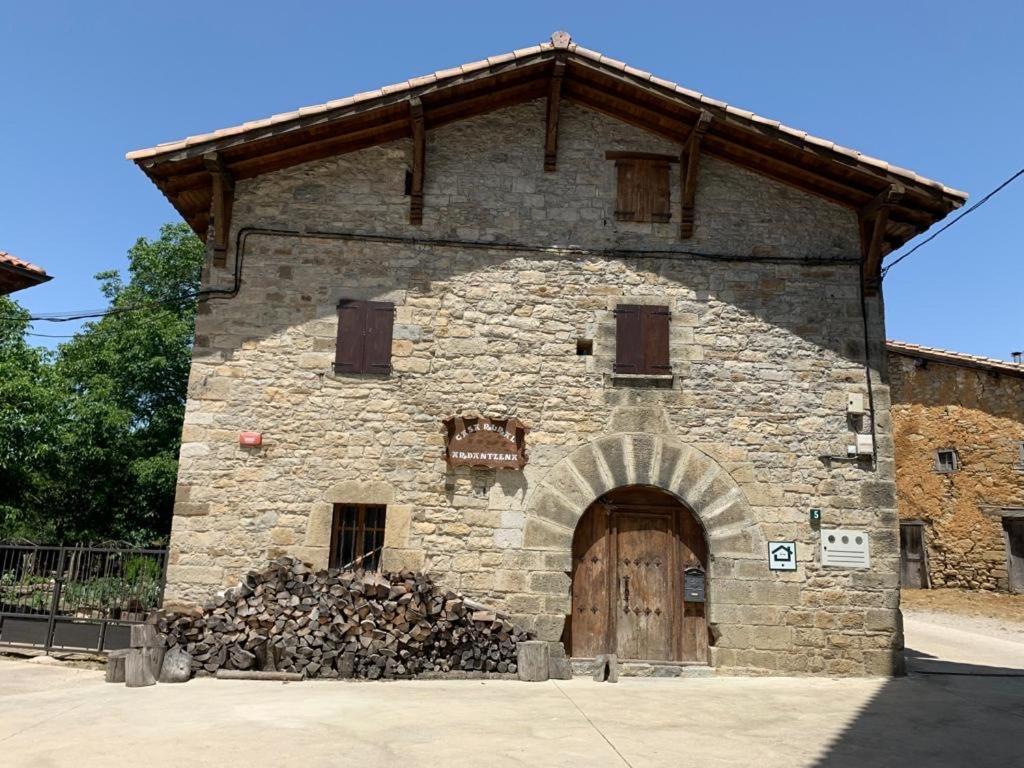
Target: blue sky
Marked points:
933	86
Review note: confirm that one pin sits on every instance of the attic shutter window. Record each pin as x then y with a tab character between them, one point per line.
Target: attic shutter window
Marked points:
642	187
364	336
641	340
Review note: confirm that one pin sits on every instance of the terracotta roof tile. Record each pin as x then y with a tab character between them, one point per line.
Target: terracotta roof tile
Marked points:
954	358
10	260
525	54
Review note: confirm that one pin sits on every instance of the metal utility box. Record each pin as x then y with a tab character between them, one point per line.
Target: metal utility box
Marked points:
693	585
855	404
845	548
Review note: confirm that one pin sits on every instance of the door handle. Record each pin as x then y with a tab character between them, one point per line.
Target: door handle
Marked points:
625	591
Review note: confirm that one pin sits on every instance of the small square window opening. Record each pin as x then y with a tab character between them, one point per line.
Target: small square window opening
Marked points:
584	346
946	461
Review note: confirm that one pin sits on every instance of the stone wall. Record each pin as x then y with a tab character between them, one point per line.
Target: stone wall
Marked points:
767	340
980	415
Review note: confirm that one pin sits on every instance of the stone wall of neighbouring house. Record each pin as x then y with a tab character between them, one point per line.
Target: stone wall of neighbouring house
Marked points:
764	352
980	415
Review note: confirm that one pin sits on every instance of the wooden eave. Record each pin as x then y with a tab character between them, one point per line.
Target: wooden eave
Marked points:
14	278
610	88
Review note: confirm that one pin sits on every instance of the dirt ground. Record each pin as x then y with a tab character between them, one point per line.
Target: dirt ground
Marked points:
966	602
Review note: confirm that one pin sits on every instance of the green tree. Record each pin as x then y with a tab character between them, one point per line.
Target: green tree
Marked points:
108	465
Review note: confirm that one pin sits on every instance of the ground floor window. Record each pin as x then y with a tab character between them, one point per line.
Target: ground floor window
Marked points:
357	536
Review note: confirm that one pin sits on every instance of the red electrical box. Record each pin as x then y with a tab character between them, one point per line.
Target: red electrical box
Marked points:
250	439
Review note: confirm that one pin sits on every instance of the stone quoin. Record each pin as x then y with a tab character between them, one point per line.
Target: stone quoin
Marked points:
674	298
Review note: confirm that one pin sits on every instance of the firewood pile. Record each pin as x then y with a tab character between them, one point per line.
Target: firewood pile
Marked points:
333	624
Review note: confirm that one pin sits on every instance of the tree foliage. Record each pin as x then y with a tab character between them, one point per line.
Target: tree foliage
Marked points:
98	423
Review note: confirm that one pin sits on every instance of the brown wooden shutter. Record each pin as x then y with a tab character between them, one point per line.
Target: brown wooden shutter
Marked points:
643	191
348	350
628	347
627	202
380	323
658	192
655	321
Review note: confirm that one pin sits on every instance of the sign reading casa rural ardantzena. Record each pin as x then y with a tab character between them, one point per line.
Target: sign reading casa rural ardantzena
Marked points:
477	441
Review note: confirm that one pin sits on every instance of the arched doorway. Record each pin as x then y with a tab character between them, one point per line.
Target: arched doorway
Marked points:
631	550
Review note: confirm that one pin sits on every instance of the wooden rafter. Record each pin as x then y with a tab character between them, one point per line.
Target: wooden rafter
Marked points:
222	200
554	104
689	161
874	217
419	155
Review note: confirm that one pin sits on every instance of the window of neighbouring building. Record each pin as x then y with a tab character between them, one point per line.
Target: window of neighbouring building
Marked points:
946	460
643	190
357	536
642	339
1020	455
364	336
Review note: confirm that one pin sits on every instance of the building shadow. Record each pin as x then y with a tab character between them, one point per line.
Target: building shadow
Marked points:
942	713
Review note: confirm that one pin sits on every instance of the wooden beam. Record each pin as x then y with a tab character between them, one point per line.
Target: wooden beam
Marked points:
554	103
689	161
419	153
221	202
874	218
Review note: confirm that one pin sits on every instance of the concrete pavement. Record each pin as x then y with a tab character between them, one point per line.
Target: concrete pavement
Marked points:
57	716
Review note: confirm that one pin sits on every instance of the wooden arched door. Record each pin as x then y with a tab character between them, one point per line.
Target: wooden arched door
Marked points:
630	551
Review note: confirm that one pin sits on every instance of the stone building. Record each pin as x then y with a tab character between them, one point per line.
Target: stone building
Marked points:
662	304
958	426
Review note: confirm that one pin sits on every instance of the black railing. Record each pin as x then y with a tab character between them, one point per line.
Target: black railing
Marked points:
81	598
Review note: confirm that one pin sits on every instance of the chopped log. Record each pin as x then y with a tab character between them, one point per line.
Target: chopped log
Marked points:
177	666
558	663
144	636
137	670
533	659
155	658
341	624
254	674
606	668
115	666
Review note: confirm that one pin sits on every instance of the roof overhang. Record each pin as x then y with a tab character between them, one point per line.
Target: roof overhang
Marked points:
960	359
842	175
16	274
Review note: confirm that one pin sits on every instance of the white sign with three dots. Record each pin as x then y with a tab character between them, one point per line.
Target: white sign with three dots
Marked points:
845	548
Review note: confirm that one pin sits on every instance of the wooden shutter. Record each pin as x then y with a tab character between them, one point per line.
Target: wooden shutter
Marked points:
628	342
655	321
627	202
643	191
380	323
348	350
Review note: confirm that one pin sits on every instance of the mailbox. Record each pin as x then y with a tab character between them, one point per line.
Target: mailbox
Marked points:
693	585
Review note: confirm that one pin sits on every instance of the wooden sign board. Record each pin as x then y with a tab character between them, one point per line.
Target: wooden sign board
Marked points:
476	441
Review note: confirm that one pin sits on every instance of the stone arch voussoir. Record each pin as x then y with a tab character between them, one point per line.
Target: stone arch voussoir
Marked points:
695	478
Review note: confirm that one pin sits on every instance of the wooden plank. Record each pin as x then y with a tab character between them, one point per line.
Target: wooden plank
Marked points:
690	161
553	109
612	154
419	154
590	578
874	218
253	674
222	200
644	562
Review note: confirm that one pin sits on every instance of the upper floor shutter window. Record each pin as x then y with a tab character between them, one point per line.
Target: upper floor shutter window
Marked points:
642	339
642	187
364	336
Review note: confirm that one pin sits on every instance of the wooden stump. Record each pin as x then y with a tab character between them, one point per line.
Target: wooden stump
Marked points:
138	671
606	668
115	666
533	660
558	663
177	666
145	636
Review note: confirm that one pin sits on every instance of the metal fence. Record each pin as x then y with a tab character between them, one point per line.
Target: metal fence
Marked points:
76	598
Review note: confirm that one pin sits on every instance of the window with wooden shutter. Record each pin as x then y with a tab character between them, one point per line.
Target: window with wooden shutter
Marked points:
642	340
643	191
365	329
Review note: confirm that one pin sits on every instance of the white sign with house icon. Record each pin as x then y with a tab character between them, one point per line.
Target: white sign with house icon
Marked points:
782	555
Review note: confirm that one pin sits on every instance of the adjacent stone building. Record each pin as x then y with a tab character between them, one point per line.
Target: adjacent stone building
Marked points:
958	425
666	306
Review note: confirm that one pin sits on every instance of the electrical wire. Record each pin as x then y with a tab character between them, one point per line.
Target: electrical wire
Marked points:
936	233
